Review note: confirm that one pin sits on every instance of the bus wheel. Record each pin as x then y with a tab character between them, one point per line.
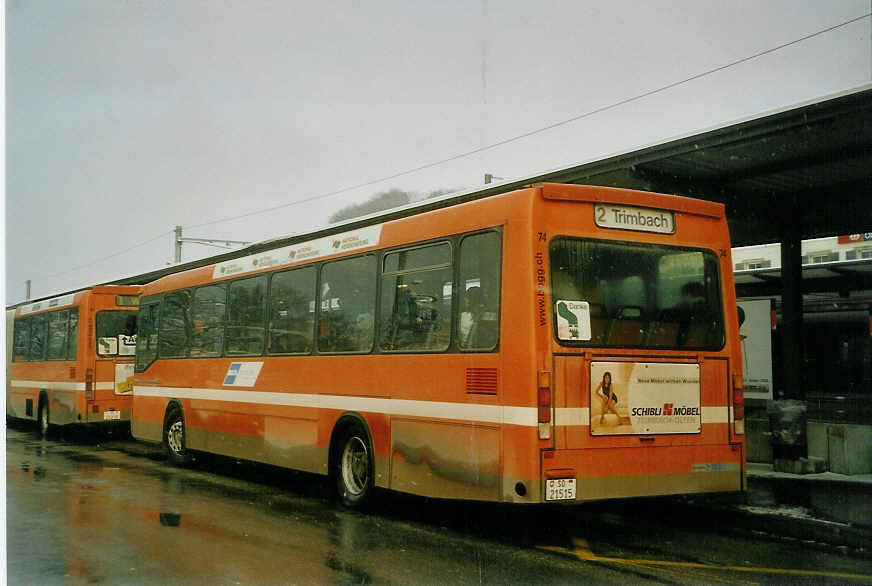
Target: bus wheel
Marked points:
43	419
174	438
354	466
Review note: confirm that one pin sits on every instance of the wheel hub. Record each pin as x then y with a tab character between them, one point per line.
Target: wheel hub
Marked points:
355	466
175	435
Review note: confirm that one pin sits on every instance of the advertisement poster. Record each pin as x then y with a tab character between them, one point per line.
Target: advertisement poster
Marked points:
124	378
644	398
756	337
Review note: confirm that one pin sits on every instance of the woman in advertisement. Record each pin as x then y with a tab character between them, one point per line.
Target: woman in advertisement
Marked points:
607	396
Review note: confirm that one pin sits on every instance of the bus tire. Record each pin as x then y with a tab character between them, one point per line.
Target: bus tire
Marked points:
174	437
353	465
43	418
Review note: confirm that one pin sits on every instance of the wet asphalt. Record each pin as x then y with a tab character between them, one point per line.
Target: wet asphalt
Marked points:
109	510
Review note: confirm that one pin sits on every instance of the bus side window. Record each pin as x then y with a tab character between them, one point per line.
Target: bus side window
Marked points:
175	327
479	290
207	317
72	333
57	335
22	340
347	305
246	313
292	311
413	314
37	337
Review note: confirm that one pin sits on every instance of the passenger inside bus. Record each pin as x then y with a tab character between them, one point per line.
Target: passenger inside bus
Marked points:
292	312
412	321
478	321
692	297
469	315
347	303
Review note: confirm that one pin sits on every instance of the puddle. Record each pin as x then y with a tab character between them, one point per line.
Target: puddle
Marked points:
38	472
358	576
170	519
82	458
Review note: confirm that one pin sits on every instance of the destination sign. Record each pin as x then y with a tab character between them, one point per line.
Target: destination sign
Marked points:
633	218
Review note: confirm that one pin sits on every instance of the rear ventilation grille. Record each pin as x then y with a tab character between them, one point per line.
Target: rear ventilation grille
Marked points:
483	381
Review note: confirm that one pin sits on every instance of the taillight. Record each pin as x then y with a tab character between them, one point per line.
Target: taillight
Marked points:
89	384
738	404
544	392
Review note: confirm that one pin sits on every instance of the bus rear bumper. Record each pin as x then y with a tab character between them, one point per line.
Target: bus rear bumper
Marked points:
105	413
611	473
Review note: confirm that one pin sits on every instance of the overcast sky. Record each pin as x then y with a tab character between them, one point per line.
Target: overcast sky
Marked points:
125	118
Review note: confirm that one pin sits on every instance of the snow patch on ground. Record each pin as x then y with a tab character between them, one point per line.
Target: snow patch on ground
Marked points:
767	471
780	511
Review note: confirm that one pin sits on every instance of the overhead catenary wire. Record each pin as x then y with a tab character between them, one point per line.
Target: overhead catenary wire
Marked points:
113	255
483	148
536	131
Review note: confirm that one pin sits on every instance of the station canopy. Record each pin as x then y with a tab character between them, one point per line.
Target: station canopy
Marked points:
810	164
806	170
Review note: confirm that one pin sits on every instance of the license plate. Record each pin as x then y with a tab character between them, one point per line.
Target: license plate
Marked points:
560	489
112	415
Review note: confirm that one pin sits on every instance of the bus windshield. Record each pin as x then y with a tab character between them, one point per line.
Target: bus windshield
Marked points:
116	333
632	295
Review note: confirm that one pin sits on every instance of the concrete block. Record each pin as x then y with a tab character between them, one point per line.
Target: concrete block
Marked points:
816	436
788	466
758	440
813	465
800	465
849	448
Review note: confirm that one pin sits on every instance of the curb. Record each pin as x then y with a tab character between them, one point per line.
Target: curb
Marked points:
807	478
809	530
838	533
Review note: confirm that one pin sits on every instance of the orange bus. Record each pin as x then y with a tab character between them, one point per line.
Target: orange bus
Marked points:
557	343
72	358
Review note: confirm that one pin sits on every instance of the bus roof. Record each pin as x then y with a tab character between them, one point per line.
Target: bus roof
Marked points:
550	191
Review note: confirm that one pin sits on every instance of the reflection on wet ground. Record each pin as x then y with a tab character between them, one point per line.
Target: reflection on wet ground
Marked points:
103	515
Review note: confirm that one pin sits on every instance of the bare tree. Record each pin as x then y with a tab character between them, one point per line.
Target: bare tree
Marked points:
381	201
439	192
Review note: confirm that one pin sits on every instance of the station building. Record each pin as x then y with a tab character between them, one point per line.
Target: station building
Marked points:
837	347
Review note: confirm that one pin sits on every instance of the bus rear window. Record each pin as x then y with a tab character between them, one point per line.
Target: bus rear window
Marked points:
628	295
116	333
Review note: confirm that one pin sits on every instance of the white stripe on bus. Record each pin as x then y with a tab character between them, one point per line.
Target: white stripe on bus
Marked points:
62	386
525	416
571	416
507	414
715	414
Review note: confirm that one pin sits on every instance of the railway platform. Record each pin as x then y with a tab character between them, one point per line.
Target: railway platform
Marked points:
825	508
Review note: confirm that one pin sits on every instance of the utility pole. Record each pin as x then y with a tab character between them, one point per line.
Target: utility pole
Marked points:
27	290
217	242
178	242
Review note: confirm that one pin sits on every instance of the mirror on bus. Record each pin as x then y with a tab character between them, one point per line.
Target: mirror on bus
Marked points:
741	315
